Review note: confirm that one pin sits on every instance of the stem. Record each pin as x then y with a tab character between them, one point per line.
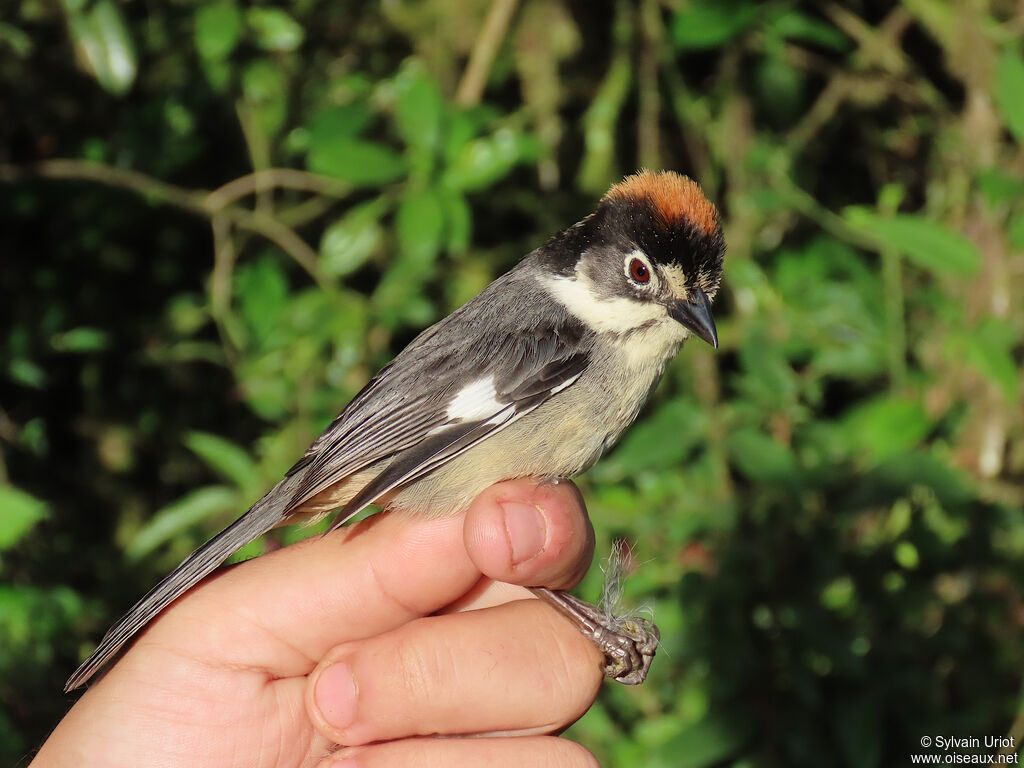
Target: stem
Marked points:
474	79
199	202
892	288
288	178
224	258
649	107
892	282
259	153
597	170
133	181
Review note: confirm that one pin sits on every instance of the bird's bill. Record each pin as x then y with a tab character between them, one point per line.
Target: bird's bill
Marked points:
694	314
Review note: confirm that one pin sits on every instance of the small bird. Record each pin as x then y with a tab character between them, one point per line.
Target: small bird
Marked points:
537	376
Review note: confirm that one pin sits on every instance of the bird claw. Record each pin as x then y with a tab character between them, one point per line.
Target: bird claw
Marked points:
628	643
629	650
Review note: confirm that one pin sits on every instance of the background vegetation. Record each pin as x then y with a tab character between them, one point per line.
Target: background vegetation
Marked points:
219	218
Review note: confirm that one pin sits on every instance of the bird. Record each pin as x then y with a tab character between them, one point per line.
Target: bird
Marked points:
537	376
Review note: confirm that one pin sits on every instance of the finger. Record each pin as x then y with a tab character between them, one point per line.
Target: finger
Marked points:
286	609
534	751
440	675
487	594
353	583
530	533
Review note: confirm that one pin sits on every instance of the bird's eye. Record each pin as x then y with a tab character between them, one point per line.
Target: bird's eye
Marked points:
639	272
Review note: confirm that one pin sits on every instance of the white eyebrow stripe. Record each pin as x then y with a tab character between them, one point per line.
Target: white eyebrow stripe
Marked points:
475	401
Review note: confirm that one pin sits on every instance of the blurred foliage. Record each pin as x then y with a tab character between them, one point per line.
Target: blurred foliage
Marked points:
220	219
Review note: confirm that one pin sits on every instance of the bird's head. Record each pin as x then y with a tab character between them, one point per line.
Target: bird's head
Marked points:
651	252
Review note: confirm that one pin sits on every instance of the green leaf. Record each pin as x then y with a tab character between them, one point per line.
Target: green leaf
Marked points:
905	471
420	227
708	742
218	73
597	168
15	40
794	25
928	244
662	440
761	458
399	296
31	619
1015	231
989	349
187	313
101	37
906	554
218	27
263	294
265	86
418	108
482	162
711	23
248	552
839	594
269	396
227	459
275	30
886	426
780	86
19	512
351	240
346	120
1009	87
80	340
364	163
458	219
179	516
1000	187
26	373
460	128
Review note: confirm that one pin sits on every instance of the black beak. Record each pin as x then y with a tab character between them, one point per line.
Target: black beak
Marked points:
695	316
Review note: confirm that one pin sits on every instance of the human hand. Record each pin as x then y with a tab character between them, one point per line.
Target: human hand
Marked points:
368	637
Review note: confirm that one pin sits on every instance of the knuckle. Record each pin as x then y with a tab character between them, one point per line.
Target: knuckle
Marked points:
423	667
571	679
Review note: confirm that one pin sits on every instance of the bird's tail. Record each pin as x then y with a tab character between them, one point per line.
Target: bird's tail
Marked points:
264	515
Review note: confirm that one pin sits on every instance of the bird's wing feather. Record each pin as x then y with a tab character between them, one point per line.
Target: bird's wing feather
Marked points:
457	437
422	411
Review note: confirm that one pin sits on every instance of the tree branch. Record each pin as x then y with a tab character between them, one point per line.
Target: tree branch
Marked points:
200	202
471	87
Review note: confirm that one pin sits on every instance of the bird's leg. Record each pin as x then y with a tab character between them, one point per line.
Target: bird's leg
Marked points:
628	643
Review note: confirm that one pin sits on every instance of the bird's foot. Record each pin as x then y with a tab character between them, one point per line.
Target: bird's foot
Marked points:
628	643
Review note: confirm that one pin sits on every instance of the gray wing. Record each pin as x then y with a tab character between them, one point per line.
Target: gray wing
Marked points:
403	415
437	400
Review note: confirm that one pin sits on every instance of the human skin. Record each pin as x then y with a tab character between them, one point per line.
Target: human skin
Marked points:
379	636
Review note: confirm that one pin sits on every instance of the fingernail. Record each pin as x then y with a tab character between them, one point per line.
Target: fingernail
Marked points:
336	695
527	530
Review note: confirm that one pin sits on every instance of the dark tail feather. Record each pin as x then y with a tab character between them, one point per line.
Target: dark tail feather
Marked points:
264	515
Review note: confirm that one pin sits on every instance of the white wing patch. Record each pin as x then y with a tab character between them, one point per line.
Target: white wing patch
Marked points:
617	315
475	401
